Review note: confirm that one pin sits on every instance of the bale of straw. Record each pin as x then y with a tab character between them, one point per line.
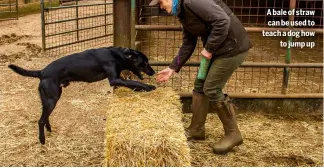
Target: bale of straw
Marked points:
145	129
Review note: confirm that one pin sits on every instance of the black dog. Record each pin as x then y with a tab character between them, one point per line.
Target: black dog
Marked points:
88	66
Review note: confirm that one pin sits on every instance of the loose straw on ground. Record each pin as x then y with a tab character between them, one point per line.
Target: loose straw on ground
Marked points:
145	129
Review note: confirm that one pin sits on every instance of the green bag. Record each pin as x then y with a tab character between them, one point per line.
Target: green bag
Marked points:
203	68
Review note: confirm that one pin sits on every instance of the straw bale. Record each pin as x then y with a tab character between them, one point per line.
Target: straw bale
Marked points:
145	129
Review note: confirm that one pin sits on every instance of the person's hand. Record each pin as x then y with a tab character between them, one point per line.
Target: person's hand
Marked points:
206	54
164	75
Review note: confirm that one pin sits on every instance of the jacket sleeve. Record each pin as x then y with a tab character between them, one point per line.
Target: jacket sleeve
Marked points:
188	46
213	15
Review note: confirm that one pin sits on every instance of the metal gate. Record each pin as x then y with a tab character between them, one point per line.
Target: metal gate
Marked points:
76	25
8	10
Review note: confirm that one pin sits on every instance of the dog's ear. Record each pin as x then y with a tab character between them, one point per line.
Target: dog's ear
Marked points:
127	51
129	55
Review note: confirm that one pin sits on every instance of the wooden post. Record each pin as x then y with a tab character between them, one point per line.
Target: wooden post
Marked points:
122	26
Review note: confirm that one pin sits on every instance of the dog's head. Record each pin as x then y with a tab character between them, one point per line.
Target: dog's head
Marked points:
137	62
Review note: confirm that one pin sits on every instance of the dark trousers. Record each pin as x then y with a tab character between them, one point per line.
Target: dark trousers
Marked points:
220	70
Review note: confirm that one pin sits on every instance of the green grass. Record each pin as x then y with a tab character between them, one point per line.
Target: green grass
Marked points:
27	9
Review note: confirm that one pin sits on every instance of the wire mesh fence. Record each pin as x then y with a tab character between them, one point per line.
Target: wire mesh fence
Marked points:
8	9
163	45
77	26
252	80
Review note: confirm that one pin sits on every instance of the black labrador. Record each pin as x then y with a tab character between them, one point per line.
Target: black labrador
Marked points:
87	66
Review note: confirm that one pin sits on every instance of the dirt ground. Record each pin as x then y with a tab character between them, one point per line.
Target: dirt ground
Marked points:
78	121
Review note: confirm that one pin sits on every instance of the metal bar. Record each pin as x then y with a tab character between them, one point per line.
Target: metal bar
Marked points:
137	12
249	13
105	17
8	19
285	77
77	30
6	12
43	25
248	29
285	80
249	64
17	14
158	27
137	38
77	18
132	24
68	20
264	95
132	30
49	48
10	4
73	6
138	34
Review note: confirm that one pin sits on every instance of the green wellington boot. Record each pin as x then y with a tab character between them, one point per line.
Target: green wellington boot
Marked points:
232	137
200	104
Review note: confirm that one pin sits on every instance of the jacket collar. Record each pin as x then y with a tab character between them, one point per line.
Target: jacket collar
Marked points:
180	9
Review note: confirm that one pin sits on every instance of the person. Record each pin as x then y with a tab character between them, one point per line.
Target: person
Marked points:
226	44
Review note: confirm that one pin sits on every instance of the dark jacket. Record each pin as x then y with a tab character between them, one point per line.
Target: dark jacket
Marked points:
221	32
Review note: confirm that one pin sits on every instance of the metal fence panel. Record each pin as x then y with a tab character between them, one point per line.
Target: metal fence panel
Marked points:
8	10
160	37
77	26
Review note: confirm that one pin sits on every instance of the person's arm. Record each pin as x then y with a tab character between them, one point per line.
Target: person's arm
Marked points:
215	16
188	46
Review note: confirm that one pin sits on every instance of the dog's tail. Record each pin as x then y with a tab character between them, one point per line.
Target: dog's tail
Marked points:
24	72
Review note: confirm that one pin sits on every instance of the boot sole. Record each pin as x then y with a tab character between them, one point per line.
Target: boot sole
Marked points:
229	148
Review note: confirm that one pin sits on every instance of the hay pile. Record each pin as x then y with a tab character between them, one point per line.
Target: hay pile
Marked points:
145	129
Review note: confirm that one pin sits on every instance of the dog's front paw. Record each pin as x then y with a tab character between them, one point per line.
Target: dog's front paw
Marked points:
145	88
150	87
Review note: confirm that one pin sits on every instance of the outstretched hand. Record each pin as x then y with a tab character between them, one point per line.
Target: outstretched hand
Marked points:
164	75
206	54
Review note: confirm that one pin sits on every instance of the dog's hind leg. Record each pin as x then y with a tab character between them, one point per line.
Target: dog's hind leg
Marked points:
47	123
50	93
